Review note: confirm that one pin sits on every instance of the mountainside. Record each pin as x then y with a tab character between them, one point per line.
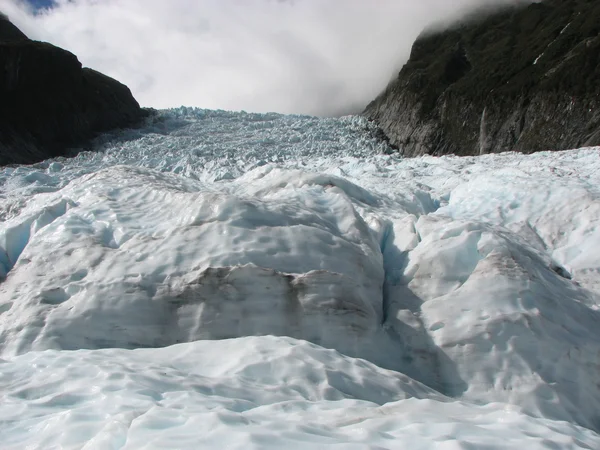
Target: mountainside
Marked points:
49	103
524	79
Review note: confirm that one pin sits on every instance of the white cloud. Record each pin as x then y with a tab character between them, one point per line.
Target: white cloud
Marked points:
319	57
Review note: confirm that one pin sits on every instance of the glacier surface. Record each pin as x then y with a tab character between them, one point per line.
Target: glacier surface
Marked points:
238	280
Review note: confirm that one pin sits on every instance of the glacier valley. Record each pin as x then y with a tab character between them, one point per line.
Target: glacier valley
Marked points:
236	280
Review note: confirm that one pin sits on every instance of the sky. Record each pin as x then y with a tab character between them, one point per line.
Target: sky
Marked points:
41	3
320	57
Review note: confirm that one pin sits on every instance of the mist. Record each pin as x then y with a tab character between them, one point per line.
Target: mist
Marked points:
319	57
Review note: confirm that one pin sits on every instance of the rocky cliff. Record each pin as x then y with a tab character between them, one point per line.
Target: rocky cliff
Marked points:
524	79
49	103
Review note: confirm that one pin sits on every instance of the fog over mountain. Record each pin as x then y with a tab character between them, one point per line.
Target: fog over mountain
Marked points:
301	56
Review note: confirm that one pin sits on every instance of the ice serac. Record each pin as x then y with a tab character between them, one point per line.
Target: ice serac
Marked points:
49	103
150	260
523	79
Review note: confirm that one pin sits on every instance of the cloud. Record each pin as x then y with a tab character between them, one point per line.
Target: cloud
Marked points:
322	57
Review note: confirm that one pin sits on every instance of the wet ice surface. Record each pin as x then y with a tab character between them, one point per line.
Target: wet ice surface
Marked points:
141	280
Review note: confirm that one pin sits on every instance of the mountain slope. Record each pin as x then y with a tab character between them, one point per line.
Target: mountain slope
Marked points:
49	103
524	79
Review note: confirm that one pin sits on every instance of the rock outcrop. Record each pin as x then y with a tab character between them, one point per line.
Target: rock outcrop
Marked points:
49	103
523	79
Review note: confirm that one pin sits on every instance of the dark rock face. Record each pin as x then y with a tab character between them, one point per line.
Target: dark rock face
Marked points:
49	103
524	79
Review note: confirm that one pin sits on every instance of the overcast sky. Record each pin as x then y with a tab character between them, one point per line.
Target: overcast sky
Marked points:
323	57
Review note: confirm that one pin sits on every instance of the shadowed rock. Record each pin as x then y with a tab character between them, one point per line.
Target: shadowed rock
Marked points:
9	32
49	103
523	79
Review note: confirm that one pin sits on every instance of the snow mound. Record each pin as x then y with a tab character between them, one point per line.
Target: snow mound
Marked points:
255	393
148	261
555	214
509	326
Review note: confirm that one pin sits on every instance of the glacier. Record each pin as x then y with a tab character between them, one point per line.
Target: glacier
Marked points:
239	280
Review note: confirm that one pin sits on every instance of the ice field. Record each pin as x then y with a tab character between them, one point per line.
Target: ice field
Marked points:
235	280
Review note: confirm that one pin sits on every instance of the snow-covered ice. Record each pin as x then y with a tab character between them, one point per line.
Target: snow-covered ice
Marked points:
237	280
248	393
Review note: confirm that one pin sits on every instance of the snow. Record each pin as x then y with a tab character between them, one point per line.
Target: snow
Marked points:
551	44
239	280
250	392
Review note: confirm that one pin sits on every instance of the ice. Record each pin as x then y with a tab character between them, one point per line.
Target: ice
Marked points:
239	280
556	214
157	266
247	393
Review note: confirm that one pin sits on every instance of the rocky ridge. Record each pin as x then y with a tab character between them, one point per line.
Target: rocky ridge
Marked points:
523	79
49	103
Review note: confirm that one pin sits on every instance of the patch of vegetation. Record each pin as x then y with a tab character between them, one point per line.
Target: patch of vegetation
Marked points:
550	46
